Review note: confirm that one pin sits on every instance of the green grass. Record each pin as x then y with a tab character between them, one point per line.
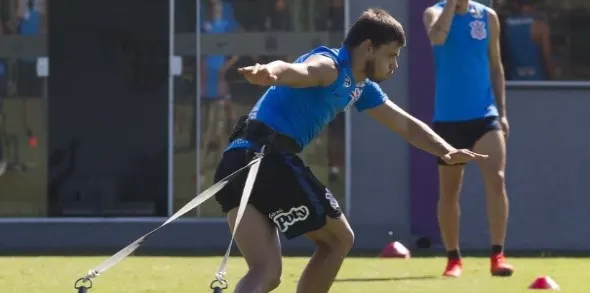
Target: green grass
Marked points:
193	274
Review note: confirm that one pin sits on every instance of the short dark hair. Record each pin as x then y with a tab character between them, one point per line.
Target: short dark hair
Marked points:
378	26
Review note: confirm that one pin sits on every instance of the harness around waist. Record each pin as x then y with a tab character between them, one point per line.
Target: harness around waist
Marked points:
260	134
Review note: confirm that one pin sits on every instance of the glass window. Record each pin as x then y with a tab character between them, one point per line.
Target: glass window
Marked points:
241	33
545	39
108	109
23	132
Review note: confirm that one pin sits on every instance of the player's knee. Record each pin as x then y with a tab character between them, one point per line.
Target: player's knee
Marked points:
449	197
342	241
348	240
271	281
496	178
269	276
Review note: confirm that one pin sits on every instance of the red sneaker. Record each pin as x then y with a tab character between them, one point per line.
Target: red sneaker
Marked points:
499	267
454	268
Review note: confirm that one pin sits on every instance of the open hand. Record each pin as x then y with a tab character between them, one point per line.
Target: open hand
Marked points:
505	126
258	74
462	156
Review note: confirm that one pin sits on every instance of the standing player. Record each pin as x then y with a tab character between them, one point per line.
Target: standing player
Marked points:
470	113
303	98
528	44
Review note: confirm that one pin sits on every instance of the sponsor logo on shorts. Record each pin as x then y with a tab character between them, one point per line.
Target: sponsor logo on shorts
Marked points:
332	200
284	220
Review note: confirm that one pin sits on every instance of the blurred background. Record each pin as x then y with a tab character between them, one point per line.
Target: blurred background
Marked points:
117	112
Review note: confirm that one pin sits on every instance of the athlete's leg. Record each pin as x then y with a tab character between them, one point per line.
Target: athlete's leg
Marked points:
258	241
333	242
256	237
306	207
450	178
448	211
493	144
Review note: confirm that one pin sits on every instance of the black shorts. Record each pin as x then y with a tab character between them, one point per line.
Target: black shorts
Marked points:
464	134
286	191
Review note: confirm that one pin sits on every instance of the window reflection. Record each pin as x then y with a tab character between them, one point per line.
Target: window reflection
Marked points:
108	109
225	95
23	133
545	39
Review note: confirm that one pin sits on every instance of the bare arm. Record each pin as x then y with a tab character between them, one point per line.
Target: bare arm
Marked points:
413	130
545	34
437	23
496	67
317	70
227	65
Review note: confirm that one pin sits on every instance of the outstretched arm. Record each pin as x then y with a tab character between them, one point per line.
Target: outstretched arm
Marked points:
418	133
411	129
317	70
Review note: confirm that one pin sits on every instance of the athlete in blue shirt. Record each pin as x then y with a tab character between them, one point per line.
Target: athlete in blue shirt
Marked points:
303	98
469	112
528	44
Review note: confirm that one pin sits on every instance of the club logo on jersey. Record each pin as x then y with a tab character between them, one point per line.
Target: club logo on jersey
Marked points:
347	82
284	220
478	30
354	96
332	200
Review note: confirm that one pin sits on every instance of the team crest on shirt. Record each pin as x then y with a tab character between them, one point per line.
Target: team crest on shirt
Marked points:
355	95
347	82
478	30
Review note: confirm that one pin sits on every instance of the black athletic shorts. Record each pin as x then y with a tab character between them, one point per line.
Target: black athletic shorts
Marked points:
285	191
464	134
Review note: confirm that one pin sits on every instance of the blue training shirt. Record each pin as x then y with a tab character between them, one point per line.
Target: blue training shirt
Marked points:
526	58
463	89
214	63
302	113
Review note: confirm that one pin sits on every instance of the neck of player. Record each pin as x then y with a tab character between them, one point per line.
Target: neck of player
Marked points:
358	62
462	6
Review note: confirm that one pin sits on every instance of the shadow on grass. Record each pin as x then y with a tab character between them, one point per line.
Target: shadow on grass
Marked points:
150	252
406	278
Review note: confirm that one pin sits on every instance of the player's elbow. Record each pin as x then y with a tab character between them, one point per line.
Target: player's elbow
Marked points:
437	37
497	70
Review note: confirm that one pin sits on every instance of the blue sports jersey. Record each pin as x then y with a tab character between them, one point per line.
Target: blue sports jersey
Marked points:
526	59
214	63
302	113
463	89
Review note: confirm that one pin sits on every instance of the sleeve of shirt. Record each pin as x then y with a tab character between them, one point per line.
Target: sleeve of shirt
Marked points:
326	52
371	97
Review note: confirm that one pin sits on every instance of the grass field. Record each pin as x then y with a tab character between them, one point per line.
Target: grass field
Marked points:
193	274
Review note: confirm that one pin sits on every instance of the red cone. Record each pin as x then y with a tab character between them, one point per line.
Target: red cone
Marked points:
545	283
395	250
32	140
